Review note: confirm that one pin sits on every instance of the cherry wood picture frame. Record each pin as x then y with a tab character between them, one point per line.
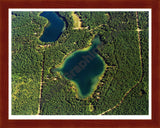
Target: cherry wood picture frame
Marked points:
4	42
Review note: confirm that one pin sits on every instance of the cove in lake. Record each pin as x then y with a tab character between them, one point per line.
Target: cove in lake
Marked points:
84	68
53	29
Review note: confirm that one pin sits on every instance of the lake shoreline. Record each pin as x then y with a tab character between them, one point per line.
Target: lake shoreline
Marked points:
53	28
95	81
43	26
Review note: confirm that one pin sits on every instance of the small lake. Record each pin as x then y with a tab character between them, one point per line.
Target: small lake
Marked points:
53	29
84	68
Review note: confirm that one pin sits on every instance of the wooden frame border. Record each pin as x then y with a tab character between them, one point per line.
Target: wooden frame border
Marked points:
6	4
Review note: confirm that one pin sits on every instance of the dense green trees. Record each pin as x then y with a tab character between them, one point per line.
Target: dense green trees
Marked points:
119	49
93	19
122	20
26	62
136	102
143	20
125	74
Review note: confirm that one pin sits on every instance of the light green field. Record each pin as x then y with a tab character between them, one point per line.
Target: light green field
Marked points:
77	22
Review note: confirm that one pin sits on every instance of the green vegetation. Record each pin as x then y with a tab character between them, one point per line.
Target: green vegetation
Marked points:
136	103
126	72
92	19
143	20
137	100
26	62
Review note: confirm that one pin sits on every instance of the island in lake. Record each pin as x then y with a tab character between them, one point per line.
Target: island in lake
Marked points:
79	63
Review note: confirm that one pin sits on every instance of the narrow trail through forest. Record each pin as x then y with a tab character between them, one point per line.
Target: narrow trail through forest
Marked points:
41	85
140	53
138	30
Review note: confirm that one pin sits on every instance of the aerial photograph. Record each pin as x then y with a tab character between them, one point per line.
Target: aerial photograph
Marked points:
79	62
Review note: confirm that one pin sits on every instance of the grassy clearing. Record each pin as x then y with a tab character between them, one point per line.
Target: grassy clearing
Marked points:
77	21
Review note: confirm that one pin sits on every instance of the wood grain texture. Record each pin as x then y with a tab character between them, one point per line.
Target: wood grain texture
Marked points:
6	4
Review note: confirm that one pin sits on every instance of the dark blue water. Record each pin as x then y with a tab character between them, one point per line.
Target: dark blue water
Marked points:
84	67
53	29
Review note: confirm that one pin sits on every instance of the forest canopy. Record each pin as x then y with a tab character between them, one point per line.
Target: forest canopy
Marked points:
38	89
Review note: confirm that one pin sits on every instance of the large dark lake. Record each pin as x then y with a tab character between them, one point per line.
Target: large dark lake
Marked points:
53	29
84	68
